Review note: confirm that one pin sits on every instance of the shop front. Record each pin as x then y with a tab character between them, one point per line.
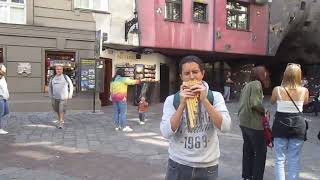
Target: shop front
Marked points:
64	59
31	59
145	67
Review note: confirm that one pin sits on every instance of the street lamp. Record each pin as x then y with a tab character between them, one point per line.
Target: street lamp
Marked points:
129	24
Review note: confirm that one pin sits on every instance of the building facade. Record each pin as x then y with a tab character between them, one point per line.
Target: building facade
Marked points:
211	26
35	35
123	49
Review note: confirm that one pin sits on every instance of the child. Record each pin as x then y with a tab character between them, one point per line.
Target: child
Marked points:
142	109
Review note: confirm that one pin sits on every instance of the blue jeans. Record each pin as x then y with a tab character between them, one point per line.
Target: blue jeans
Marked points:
142	116
4	109
226	93
178	171
120	112
287	149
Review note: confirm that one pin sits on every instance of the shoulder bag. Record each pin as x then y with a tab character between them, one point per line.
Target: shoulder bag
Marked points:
307	124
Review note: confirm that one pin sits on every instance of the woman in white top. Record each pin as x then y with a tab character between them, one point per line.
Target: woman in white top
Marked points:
289	127
4	96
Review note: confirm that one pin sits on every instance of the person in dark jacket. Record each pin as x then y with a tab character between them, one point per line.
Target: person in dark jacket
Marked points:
250	113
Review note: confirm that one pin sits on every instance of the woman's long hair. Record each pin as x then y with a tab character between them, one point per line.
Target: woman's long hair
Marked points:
292	76
119	72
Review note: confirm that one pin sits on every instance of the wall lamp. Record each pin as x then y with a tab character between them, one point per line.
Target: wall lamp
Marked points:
129	24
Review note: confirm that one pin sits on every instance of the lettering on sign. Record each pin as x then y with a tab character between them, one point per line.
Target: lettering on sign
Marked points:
126	56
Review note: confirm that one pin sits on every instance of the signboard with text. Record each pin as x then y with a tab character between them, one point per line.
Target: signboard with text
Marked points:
91	75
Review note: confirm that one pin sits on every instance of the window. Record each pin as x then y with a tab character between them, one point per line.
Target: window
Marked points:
13	11
237	15
98	5
303	5
200	12
174	10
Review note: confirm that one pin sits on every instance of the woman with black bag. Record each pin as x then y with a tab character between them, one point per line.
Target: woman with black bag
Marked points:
289	128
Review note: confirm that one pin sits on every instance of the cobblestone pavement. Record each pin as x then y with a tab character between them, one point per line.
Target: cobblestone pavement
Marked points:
89	148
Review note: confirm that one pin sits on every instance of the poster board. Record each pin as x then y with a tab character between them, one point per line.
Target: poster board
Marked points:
91	75
87	75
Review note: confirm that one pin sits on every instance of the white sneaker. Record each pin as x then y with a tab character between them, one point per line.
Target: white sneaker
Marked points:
127	129
117	129
3	131
60	125
141	123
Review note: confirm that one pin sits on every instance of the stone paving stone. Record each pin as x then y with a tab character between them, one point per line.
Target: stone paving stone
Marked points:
88	133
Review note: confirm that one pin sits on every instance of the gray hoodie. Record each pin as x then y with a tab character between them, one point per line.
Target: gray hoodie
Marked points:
58	87
198	147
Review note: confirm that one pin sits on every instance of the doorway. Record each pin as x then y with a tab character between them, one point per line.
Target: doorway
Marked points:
104	96
1	55
164	82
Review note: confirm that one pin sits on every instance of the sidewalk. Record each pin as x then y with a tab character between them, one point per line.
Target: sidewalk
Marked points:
90	148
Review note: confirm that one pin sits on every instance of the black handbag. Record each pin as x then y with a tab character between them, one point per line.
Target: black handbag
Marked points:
307	124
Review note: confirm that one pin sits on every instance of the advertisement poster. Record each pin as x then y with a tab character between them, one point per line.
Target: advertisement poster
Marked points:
88	75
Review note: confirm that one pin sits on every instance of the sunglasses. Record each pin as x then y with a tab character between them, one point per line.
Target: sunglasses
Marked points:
290	64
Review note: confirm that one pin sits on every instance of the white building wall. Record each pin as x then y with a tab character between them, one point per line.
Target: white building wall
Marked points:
120	12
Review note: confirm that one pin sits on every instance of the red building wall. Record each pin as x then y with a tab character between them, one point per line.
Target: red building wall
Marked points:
189	35
242	41
157	32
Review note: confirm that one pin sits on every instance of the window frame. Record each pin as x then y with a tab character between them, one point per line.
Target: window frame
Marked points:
247	5
180	2
91	8
9	5
206	20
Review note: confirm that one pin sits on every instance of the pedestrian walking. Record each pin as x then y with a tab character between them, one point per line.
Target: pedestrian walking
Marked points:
316	103
142	109
60	91
250	113
118	91
227	86
4	96
289	127
191	119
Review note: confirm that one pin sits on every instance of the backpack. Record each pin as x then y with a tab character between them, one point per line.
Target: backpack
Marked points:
176	99
65	77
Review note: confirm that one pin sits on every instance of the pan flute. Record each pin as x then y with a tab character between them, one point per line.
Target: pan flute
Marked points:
192	105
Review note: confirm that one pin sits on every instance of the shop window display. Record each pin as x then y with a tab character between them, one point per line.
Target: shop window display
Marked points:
144	72
65	59
147	73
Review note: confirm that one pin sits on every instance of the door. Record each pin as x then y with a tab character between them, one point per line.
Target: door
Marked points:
164	82
104	96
